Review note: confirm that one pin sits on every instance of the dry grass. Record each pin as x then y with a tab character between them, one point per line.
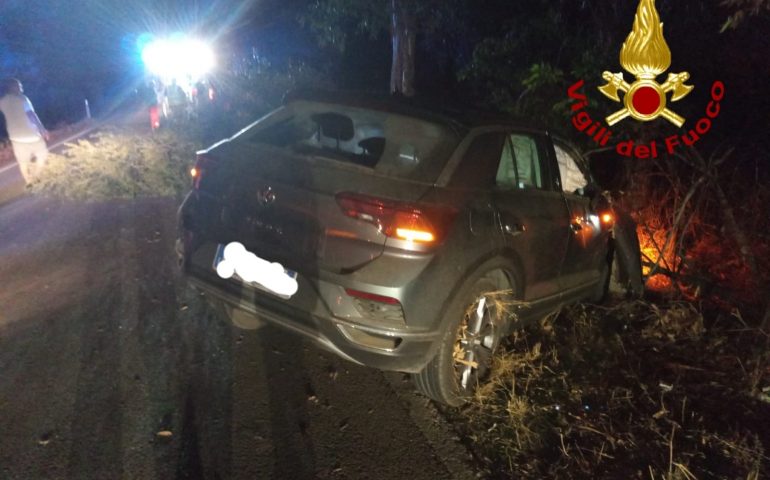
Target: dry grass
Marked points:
114	164
633	391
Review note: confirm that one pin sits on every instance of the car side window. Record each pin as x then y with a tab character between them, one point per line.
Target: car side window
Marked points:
520	163
572	178
477	168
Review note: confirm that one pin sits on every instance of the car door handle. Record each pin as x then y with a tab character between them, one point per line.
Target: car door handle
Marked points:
514	229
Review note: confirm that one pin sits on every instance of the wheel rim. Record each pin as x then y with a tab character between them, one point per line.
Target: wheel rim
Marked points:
476	341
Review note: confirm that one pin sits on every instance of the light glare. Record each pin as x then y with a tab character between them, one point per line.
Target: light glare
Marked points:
414	235
178	58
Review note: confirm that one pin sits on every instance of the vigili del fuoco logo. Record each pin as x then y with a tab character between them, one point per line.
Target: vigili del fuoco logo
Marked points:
645	55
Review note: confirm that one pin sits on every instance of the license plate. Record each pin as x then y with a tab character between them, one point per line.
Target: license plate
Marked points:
268	279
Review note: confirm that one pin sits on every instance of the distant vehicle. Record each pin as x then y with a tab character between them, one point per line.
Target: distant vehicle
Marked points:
398	237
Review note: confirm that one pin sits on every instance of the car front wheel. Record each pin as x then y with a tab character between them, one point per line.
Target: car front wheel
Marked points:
465	355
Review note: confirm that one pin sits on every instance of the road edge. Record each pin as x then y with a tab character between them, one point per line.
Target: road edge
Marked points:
437	430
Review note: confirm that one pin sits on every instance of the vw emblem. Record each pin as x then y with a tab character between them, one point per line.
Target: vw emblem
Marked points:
266	196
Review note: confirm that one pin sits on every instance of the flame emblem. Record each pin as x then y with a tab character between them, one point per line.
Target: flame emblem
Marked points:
645	55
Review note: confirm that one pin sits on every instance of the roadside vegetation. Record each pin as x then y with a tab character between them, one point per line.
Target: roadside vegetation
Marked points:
648	390
120	164
126	163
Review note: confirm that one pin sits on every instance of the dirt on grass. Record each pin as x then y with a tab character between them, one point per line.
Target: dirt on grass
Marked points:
634	390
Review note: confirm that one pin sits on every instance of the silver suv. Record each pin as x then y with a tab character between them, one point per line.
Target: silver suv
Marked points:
395	236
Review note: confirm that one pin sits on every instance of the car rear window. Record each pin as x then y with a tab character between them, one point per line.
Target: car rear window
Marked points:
390	144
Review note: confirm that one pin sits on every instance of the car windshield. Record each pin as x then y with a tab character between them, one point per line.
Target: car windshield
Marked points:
390	144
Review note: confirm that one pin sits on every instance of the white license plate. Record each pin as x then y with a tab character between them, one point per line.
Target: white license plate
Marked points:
219	256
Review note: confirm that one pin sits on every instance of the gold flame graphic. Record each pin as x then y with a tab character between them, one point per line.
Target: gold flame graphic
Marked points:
645	53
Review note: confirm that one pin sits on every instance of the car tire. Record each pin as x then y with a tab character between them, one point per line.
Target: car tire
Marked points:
449	377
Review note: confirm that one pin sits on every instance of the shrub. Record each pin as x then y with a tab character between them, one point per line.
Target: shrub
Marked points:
114	164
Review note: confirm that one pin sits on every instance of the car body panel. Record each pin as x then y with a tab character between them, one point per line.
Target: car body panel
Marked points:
586	250
535	224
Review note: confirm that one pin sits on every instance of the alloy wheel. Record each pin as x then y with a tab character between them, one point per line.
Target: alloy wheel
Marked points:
476	341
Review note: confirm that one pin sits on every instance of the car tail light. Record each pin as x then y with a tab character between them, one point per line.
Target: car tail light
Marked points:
414	223
203	164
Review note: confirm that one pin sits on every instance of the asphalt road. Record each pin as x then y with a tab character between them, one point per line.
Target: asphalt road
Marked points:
111	367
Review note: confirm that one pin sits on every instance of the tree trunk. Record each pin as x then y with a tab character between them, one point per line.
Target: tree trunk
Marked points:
403	34
731	225
744	248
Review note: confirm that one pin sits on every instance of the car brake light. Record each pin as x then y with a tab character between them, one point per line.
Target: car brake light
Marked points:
607	219
413	223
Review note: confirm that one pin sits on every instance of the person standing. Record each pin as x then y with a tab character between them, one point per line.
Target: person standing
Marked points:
177	102
160	98
25	130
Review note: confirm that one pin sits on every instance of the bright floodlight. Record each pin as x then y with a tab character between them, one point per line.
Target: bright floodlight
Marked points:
178	57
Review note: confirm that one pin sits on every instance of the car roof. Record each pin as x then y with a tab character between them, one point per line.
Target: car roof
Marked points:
454	115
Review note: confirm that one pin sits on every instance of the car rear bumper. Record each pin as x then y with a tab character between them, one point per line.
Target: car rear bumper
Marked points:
307	313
